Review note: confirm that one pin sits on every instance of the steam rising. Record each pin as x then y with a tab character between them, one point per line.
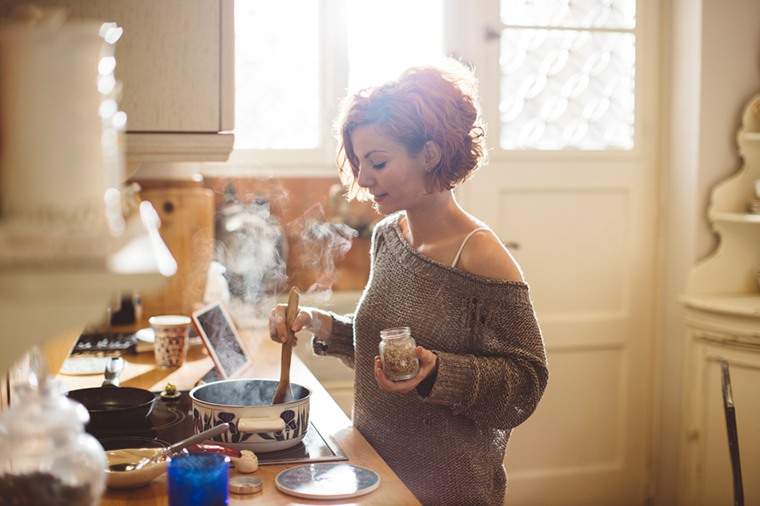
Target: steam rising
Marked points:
323	243
254	247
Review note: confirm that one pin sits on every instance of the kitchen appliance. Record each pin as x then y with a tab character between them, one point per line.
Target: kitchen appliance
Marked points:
172	420
246	404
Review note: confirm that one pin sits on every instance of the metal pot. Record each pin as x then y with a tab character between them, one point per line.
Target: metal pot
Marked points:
246	404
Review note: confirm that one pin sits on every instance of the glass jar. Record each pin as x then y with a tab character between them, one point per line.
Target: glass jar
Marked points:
397	354
46	458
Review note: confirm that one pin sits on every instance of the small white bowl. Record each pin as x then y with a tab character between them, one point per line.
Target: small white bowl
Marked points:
133	479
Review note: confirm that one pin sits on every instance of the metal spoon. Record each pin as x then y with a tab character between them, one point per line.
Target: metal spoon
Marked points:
197	438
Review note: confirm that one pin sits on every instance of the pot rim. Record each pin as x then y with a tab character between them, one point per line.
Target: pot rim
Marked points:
238	380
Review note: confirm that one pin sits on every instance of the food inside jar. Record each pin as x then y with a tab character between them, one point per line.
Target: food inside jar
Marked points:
43	489
400	361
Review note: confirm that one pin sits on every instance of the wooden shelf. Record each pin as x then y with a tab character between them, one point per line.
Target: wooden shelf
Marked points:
735	217
734	304
750	136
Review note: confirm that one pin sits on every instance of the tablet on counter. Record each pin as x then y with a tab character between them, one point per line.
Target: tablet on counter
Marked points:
222	341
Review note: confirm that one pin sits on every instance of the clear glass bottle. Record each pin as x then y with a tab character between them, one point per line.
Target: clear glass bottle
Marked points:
46	458
397	354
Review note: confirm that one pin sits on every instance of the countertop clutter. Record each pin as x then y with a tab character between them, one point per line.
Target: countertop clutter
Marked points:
331	422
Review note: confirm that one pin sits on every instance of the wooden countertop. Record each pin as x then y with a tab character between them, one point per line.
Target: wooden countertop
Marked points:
140	371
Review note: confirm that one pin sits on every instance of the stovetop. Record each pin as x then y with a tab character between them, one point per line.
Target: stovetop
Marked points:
172	420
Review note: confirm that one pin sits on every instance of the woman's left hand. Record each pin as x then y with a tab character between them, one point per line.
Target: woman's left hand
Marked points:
428	363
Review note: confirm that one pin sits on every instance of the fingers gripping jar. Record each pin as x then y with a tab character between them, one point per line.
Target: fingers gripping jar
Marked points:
397	354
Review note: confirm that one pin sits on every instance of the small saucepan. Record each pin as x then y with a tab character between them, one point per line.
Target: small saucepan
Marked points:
115	407
246	404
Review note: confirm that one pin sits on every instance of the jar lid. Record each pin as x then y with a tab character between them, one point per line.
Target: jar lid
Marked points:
395	333
245	484
47	406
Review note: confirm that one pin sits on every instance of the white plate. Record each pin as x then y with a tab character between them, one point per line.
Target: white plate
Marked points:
327	480
146	335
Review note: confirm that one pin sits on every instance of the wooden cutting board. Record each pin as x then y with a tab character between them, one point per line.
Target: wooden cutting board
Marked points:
187	228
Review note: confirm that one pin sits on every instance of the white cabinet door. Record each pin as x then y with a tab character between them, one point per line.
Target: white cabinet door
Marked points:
169	59
175	61
709	480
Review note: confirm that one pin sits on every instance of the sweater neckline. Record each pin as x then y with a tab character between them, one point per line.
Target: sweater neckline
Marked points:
426	264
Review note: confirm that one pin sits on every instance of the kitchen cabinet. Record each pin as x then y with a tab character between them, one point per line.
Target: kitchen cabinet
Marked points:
69	240
175	61
723	320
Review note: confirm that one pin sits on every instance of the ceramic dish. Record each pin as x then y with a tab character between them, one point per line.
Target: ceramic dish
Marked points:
327	481
133	479
257	424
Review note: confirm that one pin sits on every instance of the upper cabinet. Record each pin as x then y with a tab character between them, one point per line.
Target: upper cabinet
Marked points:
175	61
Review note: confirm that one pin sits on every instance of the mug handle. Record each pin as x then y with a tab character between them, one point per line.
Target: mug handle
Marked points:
261	425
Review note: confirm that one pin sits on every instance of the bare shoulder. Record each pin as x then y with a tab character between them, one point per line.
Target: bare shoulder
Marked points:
485	255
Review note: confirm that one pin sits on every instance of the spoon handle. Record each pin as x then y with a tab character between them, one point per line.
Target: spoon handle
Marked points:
206	434
287	348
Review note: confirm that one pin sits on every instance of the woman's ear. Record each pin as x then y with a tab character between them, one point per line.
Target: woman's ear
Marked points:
432	152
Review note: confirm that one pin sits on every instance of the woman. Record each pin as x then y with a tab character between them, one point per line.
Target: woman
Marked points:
447	276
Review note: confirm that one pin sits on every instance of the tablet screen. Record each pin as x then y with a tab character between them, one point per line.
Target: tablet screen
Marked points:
221	336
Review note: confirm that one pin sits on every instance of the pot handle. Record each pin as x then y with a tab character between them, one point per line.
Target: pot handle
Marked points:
261	424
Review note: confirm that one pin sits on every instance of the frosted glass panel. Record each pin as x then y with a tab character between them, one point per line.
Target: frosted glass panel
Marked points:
387	36
277	80
567	89
570	13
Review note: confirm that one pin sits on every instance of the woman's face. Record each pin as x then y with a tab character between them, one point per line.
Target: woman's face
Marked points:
395	178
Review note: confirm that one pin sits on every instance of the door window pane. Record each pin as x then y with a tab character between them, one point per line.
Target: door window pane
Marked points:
570	13
277	74
567	89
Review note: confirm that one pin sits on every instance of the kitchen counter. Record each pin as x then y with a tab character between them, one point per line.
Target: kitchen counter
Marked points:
140	371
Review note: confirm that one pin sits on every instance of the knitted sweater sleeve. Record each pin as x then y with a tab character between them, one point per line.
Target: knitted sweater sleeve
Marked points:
500	383
340	343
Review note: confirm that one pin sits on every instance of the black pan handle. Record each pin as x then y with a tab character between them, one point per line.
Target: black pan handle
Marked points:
113	371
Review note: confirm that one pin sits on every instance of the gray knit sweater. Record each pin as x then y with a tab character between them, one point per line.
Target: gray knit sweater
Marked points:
447	443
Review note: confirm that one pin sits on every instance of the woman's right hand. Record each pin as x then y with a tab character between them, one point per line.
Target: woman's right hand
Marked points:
278	329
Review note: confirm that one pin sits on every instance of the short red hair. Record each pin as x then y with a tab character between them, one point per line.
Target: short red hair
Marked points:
424	104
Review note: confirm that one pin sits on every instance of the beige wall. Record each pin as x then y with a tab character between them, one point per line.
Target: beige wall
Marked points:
710	68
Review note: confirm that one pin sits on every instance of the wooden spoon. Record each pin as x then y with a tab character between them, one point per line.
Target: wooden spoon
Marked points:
287	349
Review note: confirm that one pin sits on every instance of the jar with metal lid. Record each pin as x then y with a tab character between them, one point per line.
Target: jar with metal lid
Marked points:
46	458
398	354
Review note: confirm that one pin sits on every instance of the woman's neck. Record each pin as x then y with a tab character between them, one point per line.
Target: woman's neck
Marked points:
435	218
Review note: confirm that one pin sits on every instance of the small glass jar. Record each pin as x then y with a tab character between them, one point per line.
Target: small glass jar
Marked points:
397	354
46	458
